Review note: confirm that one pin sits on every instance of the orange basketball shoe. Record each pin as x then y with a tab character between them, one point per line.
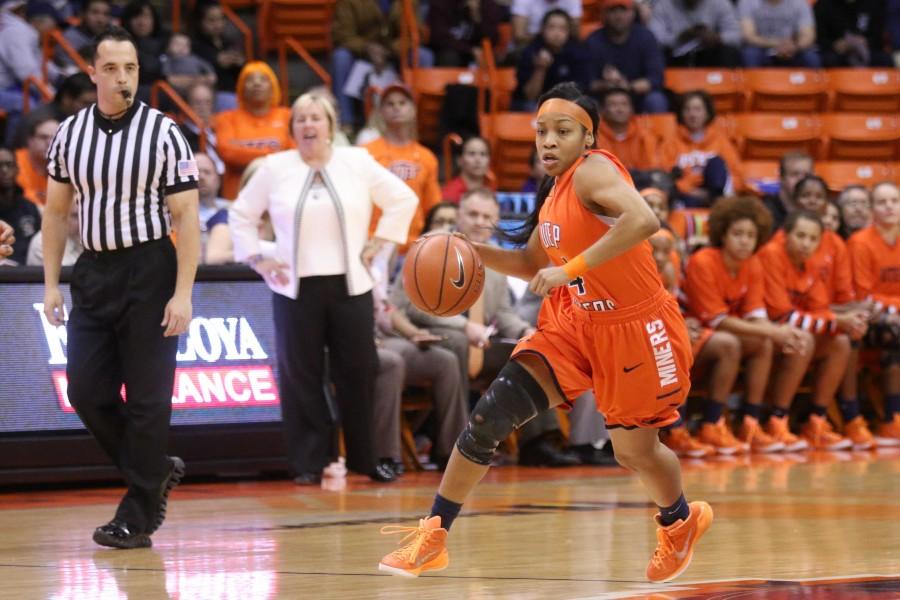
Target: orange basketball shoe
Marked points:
889	433
681	442
858	432
719	436
752	434
821	436
676	542
426	550
778	428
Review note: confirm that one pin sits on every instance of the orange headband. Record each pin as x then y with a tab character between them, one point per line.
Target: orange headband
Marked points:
568	108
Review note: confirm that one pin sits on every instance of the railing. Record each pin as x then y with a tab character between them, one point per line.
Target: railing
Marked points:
42	88
241	27
290	43
450	140
409	45
50	40
162	87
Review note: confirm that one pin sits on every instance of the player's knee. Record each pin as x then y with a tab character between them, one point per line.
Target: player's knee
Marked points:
840	345
513	399
729	346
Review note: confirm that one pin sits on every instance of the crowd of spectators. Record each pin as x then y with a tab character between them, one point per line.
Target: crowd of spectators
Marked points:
243	118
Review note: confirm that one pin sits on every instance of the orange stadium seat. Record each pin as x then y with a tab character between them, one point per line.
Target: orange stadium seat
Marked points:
786	90
586	28
307	21
760	176
852	136
840	174
662	125
503	87
865	90
429	86
724	85
512	140
768	136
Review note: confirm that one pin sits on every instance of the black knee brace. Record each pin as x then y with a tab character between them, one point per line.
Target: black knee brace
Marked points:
513	399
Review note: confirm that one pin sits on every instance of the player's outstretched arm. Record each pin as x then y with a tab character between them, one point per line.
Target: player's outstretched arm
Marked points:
521	262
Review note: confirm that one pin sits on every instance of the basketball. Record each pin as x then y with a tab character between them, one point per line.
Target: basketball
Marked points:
443	274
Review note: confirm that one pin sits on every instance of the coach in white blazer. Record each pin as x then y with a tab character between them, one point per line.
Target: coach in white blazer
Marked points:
320	201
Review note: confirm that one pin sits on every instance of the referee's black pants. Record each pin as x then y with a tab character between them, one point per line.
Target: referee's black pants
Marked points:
115	338
325	315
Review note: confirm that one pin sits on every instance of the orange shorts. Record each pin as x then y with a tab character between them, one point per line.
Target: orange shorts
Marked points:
697	345
637	360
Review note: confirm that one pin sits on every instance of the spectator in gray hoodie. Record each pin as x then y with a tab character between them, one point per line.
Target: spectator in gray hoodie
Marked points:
698	33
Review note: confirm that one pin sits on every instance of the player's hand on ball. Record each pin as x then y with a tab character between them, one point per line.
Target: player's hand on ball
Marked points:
54	309
177	316
547	279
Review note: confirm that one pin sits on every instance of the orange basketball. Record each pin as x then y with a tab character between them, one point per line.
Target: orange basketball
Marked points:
443	274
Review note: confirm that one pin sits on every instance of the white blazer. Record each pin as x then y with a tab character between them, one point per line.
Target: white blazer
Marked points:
353	178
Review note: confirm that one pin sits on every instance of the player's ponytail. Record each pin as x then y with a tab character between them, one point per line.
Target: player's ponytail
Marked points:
567	91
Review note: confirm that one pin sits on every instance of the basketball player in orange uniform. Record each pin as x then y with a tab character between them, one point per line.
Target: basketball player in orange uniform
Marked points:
606	324
875	255
798	293
724	289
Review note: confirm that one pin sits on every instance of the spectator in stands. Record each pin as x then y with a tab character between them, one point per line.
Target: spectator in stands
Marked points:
201	97
219	46
528	17
469	337
96	16
398	151
875	255
42	16
474	166
141	19
321	281
832	218
620	133
368	30
855	205
457	29
851	33
74	93
552	57
799	292
182	68
625	55
259	126
725	290
697	33
708	162
7	240
778	33
792	167
73	247
537	174
32	160
441	217
15	209
20	58
213	212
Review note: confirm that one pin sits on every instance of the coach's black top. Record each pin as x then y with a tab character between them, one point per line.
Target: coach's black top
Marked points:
122	171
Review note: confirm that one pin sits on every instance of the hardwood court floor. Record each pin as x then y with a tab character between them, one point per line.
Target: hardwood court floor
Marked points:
815	526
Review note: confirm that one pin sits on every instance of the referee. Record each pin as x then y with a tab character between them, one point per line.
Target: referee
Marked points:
135	180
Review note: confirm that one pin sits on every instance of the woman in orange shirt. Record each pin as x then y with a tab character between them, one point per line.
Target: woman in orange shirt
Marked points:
797	293
708	161
606	324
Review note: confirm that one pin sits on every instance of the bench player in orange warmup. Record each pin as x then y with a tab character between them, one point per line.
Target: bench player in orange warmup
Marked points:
606	324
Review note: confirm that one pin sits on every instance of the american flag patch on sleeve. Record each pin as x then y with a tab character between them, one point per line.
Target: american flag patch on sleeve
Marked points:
187	168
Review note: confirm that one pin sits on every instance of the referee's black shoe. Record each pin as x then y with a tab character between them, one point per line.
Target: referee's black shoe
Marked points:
173	479
116	534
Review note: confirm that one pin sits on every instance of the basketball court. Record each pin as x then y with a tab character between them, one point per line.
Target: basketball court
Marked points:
816	525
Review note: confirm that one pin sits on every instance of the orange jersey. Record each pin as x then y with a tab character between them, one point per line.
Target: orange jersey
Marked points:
418	167
876	268
636	148
833	260
242	137
799	297
567	229
688	154
33	184
713	293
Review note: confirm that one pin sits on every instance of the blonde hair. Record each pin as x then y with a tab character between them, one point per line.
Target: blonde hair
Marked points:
313	99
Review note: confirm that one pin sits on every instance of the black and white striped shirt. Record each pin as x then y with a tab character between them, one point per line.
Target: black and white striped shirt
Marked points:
122	171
